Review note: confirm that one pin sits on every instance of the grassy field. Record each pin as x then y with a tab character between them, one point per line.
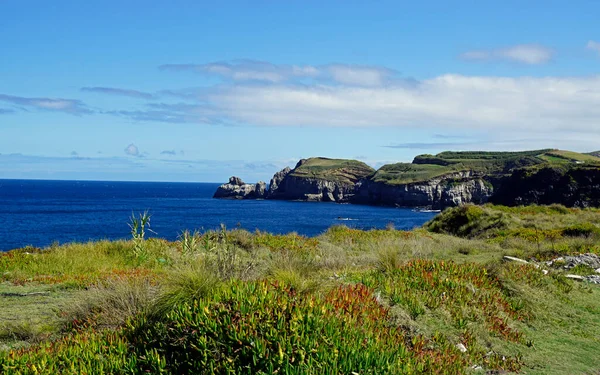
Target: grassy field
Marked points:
595	153
340	170
434	300
426	167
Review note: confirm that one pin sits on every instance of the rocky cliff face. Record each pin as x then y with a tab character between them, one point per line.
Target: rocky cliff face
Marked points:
238	189
312	189
572	187
276	189
412	185
319	180
444	191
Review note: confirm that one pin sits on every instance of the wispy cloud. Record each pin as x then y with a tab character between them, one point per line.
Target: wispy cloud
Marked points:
120	92
168	152
428	145
4	111
531	54
593	46
261	71
72	106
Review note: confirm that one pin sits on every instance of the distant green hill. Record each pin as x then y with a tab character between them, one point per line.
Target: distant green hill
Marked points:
338	170
426	167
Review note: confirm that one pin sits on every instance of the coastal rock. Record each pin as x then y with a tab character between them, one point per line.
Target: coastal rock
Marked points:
444	191
238	189
315	190
319	180
261	189
233	180
275	188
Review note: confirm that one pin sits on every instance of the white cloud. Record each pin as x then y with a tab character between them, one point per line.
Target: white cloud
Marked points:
449	101
532	54
71	106
564	109
593	46
132	150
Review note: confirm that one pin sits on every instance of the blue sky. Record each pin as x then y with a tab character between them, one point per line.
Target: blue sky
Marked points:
198	91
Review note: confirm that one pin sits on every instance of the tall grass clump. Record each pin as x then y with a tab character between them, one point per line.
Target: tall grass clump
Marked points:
112	302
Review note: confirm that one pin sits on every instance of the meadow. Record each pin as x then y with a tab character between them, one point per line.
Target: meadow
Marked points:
435	300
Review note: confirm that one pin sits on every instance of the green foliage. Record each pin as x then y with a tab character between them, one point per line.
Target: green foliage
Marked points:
87	352
291	241
258	328
581	229
189	242
467	221
465	292
138	226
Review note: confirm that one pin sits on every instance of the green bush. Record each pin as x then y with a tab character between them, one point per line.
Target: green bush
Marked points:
467	221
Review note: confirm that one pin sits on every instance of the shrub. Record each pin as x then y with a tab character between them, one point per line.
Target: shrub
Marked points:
467	221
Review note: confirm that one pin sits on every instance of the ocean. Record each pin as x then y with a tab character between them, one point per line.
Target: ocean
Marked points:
41	212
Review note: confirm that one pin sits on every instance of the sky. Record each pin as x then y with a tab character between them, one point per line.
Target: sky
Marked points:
197	91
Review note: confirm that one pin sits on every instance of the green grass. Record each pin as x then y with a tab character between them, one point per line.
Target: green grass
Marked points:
426	167
32	313
575	156
379	301
339	170
406	173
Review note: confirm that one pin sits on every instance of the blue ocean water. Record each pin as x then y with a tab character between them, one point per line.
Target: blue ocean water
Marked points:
40	212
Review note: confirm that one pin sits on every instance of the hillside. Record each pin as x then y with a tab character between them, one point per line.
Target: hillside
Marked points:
338	170
437	300
426	167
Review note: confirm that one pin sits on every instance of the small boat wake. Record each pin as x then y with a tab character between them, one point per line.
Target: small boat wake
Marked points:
345	218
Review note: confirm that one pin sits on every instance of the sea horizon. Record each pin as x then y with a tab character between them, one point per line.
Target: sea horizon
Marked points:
39	213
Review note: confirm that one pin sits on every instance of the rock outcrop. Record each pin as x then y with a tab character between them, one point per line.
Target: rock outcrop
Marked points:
238	189
437	193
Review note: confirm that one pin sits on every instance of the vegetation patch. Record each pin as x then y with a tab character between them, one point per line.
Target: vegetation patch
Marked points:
436	300
339	170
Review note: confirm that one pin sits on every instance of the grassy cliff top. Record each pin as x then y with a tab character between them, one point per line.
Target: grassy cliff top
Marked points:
425	167
339	170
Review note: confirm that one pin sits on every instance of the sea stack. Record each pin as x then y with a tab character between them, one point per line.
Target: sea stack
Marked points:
238	189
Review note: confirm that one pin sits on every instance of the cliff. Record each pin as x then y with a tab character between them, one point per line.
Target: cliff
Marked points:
319	179
444	180
447	190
